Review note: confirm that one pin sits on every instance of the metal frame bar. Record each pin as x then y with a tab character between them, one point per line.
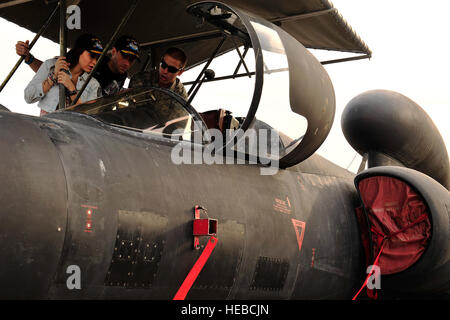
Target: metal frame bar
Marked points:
36	37
192	96
191	89
240	56
240	62
108	46
233	76
62	49
13	3
147	62
366	56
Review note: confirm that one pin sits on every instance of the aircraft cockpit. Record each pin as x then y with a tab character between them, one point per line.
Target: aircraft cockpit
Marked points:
148	110
300	115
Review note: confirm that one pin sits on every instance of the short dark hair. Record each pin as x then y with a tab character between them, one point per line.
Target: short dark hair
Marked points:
178	54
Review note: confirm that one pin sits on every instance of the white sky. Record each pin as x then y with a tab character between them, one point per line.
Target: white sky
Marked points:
410	44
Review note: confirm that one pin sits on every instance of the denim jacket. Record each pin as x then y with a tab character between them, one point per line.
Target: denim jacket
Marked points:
49	101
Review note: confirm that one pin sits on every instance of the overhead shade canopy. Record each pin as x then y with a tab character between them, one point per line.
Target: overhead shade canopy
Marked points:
314	23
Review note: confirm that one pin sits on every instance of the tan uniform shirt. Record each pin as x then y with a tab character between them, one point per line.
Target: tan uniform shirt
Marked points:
151	79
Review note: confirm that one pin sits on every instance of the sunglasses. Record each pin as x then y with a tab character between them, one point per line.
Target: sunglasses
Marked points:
171	69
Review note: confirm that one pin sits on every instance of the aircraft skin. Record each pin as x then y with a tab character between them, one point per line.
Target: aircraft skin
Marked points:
138	195
110	201
79	194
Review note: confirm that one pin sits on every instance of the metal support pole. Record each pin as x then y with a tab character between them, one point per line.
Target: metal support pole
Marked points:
147	62
62	49
191	97
240	56
108	46
13	3
191	89
209	75
366	56
234	76
36	37
240	61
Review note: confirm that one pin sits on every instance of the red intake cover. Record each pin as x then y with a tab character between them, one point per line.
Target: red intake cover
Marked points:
394	210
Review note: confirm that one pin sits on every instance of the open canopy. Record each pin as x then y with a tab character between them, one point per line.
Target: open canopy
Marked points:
275	33
290	125
160	24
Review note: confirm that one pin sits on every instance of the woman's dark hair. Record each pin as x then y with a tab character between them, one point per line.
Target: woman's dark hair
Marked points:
73	56
82	43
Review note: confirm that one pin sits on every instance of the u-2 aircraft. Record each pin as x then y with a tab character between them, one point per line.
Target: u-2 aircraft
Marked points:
94	189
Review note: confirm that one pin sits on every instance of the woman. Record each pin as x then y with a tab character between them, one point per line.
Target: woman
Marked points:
71	71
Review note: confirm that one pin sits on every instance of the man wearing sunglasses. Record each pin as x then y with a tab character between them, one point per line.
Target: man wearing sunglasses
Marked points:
113	70
171	66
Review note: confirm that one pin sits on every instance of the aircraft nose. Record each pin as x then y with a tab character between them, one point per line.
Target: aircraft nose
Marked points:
33	209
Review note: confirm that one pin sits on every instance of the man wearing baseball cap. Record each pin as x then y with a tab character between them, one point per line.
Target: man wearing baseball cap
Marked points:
113	70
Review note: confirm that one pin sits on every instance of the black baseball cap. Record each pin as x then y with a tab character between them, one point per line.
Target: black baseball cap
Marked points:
127	45
90	43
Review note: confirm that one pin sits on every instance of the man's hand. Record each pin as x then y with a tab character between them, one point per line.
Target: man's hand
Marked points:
23	49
